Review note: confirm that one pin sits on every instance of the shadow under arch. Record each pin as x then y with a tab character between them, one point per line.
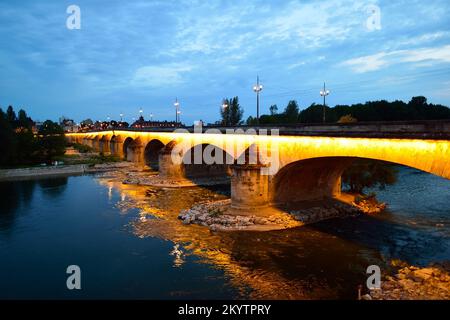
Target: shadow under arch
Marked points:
126	150
103	144
114	145
316	178
309	179
206	161
151	153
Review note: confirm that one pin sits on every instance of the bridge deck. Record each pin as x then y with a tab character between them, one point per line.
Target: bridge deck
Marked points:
432	129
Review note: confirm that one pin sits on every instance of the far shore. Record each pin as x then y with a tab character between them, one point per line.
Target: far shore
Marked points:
33	172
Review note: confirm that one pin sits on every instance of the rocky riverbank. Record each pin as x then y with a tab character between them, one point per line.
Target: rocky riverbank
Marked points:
219	215
368	204
414	283
154	180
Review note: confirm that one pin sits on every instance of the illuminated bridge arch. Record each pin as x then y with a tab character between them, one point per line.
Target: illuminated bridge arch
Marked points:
151	153
431	156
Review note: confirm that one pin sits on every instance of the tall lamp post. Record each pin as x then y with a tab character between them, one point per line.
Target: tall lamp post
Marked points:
177	110
324	94
121	117
224	107
257	88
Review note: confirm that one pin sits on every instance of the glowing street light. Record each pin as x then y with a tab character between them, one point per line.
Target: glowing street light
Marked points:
324	93
121	116
177	110
151	116
224	105
257	88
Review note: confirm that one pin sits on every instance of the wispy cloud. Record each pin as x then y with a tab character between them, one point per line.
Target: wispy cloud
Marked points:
418	57
160	75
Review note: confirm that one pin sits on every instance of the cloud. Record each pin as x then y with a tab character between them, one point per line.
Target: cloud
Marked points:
160	75
419	57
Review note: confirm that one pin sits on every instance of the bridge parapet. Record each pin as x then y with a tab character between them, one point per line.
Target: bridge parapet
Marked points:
420	129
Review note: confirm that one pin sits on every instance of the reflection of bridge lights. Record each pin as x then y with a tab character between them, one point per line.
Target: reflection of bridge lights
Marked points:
123	197
178	253
110	188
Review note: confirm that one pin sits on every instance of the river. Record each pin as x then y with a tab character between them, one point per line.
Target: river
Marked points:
129	244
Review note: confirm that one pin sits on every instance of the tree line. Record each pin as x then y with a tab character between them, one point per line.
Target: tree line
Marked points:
21	143
417	108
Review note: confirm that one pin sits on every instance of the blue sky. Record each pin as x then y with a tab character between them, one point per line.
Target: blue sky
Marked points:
133	54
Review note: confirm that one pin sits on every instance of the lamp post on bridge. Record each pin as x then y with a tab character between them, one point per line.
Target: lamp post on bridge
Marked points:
324	93
257	88
177	110
225	115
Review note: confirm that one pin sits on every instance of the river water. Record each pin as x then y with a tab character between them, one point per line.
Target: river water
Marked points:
128	242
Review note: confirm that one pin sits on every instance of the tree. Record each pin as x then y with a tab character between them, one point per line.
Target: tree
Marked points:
86	122
8	142
273	109
23	121
52	142
291	112
232	113
251	121
367	173
11	115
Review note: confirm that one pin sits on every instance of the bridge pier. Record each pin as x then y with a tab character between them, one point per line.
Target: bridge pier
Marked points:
249	188
116	147
95	144
135	153
167	168
104	146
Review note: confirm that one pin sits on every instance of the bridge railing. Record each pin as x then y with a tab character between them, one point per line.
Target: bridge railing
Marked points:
420	129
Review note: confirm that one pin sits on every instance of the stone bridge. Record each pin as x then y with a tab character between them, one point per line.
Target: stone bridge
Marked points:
293	164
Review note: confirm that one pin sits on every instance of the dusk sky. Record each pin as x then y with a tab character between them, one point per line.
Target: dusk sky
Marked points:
143	54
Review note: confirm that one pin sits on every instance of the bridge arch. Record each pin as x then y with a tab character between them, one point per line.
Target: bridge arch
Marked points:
151	153
309	179
432	156
126	148
206	160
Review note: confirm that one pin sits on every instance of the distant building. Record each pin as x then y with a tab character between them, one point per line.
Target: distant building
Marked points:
141	123
68	125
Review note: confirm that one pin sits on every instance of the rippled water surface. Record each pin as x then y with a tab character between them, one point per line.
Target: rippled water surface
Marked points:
129	243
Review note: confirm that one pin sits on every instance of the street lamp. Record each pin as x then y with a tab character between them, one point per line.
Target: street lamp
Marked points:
324	93
257	88
140	112
224	105
151	116
121	117
224	108
177	110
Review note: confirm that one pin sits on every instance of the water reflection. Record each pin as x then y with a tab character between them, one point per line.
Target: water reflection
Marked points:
14	196
290	264
17	196
321	261
178	256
